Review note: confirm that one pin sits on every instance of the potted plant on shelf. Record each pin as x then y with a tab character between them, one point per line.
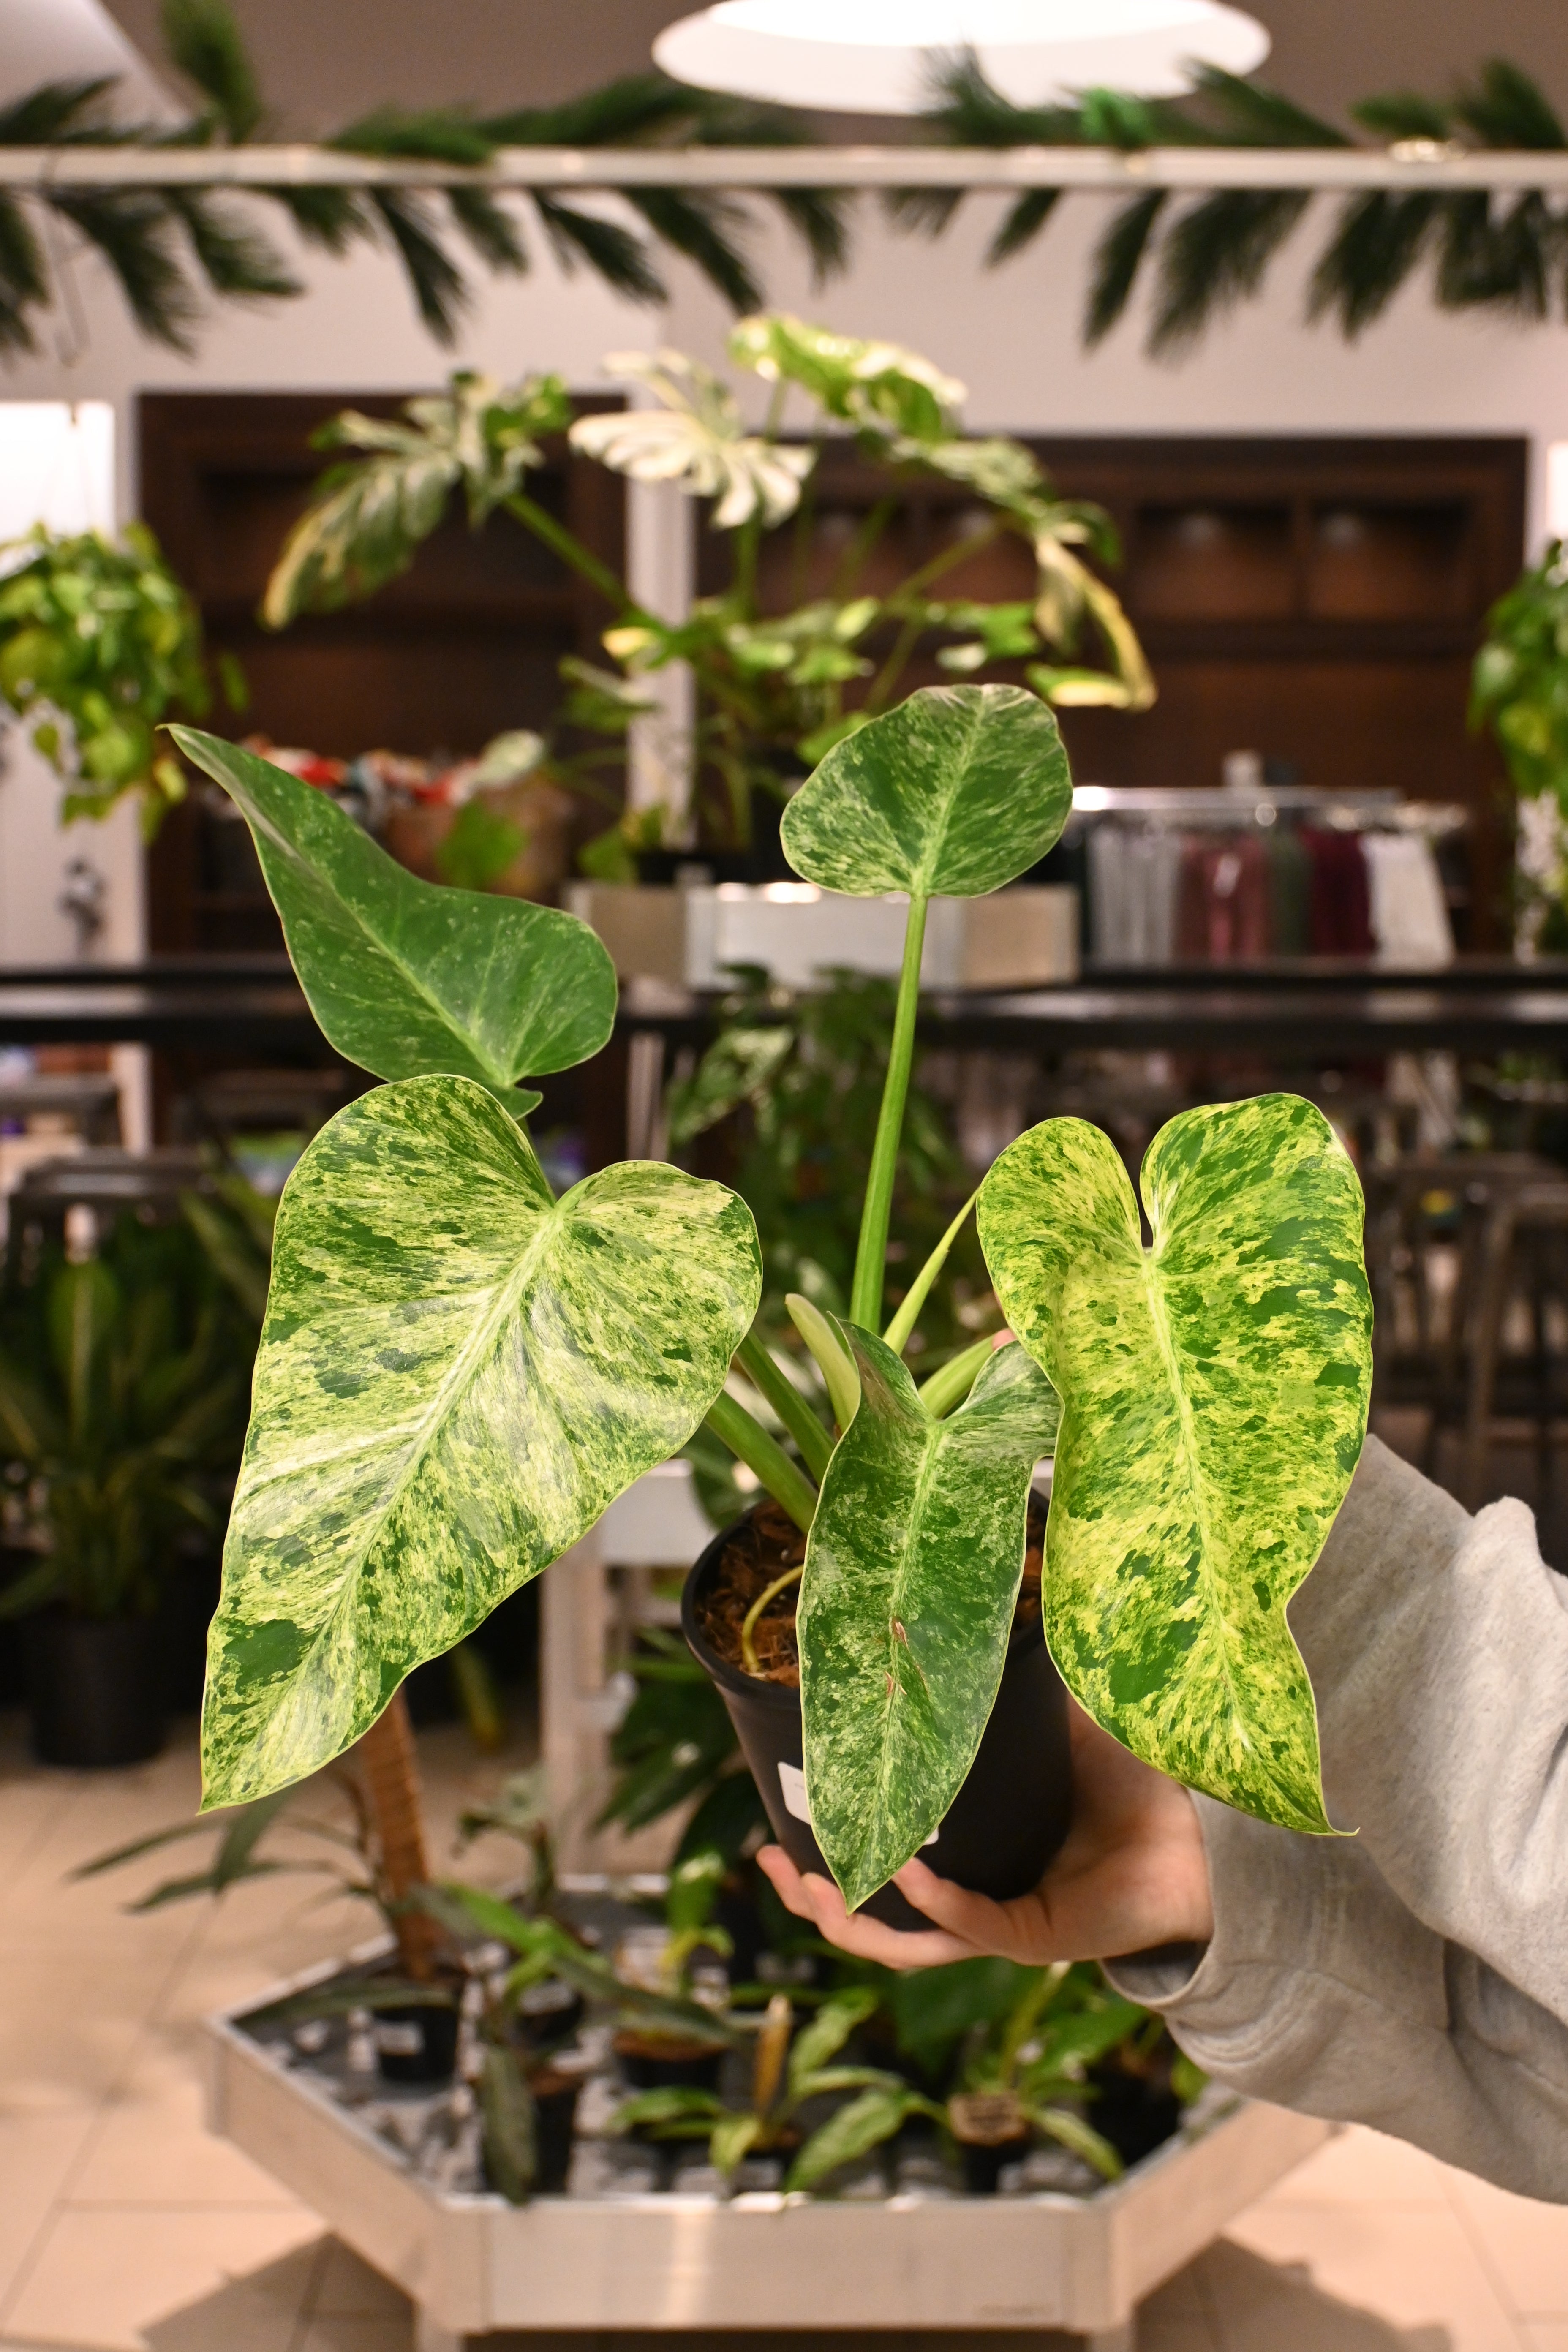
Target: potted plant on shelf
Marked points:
791	2067
1519	689
796	651
122	1394
459	1372
98	644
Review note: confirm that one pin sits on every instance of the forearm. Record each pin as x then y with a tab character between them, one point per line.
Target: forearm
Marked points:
1438	1651
1320	1991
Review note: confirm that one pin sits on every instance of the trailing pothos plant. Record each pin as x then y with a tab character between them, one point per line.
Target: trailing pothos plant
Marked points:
98	644
459	1372
775	688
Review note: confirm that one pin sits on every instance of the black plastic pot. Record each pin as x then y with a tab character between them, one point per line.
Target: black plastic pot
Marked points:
983	2162
95	1689
555	2121
416	2043
1007	1821
680	2067
1134	2115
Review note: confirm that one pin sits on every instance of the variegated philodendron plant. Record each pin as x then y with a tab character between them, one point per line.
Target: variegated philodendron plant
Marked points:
459	1372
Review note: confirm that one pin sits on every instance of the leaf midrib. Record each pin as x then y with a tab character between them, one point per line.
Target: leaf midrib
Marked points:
921	883
465	1363
1165	1340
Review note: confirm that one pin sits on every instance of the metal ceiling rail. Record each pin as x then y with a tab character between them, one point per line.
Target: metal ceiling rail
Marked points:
1410	166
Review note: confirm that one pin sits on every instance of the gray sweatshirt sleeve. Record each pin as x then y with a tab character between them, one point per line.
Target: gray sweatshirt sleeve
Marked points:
1414	1976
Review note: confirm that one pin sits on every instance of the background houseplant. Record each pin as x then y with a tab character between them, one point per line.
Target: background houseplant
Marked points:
457	1373
123	1383
1519	689
98	644
775	688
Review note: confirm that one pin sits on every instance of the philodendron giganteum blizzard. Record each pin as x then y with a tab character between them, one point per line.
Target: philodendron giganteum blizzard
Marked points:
459	1370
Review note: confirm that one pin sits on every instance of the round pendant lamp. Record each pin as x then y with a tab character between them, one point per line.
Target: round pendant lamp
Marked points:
873	56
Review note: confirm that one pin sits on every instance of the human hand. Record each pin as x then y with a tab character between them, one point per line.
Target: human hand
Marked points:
1132	1875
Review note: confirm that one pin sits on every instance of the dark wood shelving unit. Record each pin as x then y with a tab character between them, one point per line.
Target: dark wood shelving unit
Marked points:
463	645
1316	600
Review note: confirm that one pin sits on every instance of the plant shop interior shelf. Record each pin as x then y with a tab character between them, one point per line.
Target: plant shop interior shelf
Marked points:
474	2264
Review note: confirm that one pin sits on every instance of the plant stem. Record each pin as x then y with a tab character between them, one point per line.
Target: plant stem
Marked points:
897	1334
771	1381
951	1383
562	542
870	1256
749	1657
746	1438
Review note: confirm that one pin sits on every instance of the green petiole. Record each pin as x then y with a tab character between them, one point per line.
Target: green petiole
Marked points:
951	1383
897	1334
746	1438
772	1382
870	1257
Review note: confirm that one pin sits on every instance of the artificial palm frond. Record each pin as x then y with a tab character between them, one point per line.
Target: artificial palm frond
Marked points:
1502	261
434	135
1215	255
1250	114
818	218
489	228
1404	114
1118	258
1505	109
440	292
55	112
702	226
1379	240
618	257
333	218
235	260
1024	220
924	211
204	42
24	281
131	228
966	111
627	111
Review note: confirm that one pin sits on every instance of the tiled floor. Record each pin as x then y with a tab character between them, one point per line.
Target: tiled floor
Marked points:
124	2227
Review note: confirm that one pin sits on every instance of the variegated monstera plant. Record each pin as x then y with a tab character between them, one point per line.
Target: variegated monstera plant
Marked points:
774	687
458	1371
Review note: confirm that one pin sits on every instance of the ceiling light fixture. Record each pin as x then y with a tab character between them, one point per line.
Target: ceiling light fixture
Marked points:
874	56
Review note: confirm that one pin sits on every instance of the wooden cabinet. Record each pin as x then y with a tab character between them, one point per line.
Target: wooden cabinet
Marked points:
1317	600
464	645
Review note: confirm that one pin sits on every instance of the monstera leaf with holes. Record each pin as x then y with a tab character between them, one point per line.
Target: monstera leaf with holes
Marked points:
1215	1390
406	977
457	1373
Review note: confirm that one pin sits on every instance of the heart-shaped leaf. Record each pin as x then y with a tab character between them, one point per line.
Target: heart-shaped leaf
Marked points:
456	1374
911	1573
957	791
406	977
1214	1394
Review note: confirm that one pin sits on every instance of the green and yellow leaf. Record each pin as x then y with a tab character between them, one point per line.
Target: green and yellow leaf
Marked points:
457	1373
911	1573
1215	1391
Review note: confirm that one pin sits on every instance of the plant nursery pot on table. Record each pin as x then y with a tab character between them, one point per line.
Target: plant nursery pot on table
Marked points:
95	1688
1007	1820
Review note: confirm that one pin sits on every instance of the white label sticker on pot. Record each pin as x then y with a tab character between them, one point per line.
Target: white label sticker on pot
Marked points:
791	1789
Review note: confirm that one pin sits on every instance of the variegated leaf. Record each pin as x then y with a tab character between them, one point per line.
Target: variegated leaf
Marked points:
958	790
1214	1392
911	1573
406	977
456	1374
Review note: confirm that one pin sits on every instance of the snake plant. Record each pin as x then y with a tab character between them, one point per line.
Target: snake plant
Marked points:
459	1372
